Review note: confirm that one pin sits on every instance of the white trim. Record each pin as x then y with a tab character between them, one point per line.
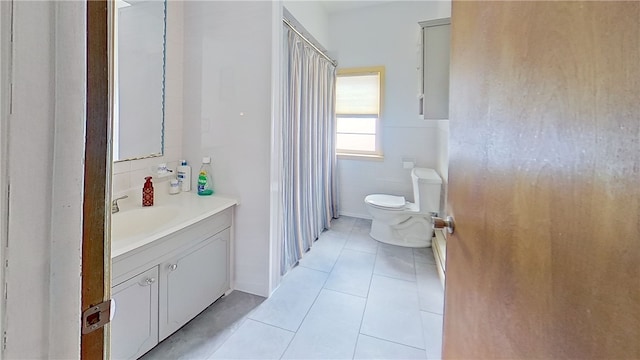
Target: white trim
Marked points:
439	248
435	22
275	210
45	201
5	101
355	215
67	179
27	276
354	156
420	123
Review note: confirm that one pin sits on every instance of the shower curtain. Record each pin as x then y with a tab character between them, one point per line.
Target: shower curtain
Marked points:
309	156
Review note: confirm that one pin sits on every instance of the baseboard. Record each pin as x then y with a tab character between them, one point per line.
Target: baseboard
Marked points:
251	288
355	215
439	247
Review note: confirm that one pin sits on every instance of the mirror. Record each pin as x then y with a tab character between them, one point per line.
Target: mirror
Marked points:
139	64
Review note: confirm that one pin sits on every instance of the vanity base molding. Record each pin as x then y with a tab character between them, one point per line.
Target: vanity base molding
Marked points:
439	247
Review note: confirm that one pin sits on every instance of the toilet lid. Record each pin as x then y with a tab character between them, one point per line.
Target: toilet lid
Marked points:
386	201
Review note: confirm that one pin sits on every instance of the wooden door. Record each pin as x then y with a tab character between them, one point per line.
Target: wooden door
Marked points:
544	181
96	258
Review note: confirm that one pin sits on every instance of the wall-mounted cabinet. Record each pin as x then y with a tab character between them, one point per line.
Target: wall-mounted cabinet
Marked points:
434	72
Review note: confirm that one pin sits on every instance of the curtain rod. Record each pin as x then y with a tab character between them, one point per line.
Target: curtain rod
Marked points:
288	23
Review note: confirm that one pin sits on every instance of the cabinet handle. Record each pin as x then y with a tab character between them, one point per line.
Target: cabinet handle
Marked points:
172	267
148	281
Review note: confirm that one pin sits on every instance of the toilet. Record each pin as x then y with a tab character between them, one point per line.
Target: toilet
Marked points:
399	222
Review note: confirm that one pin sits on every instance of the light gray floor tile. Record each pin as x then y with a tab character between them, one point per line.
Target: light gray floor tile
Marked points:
336	236
255	340
430	291
393	312
204	334
343	223
372	348
396	262
288	305
352	273
324	253
397	250
432	325
330	330
362	226
392	316
336	233
424	255
361	241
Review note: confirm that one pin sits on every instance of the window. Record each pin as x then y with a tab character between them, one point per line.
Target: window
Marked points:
358	99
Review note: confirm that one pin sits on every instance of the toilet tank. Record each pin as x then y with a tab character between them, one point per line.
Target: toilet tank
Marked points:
427	185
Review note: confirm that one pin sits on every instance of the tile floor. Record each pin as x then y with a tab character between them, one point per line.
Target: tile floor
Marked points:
349	298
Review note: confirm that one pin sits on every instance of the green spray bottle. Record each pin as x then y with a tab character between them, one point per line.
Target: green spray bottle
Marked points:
205	185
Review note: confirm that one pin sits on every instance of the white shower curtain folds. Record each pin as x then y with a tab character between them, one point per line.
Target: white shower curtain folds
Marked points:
309	185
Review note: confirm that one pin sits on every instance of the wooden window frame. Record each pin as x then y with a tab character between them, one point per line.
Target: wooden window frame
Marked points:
377	154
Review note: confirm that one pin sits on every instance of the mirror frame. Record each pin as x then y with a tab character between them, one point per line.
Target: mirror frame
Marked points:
115	35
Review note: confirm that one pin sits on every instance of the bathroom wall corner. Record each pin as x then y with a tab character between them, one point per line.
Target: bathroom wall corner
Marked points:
275	192
443	161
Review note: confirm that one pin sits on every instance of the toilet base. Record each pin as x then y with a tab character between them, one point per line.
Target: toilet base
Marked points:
415	232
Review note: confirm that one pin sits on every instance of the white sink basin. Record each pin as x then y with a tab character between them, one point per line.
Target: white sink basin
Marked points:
138	221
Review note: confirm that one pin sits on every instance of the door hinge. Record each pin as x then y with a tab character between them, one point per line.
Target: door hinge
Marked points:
96	317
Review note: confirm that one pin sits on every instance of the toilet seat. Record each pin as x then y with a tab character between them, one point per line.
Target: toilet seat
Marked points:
387	202
396	221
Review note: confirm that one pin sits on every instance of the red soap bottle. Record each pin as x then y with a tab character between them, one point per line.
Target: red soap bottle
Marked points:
147	192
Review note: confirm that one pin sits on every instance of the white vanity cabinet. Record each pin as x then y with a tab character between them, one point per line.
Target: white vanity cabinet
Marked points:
162	285
134	329
192	280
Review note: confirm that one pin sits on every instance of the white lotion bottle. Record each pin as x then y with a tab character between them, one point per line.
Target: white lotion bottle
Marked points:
184	175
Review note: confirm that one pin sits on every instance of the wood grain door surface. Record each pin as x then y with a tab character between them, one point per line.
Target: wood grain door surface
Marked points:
96	258
544	181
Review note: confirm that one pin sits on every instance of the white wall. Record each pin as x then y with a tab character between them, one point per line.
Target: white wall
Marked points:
30	206
5	90
387	34
46	147
313	17
131	174
227	115
68	180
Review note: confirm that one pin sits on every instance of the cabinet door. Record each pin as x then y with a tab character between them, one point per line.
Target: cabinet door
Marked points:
192	281
134	329
436	41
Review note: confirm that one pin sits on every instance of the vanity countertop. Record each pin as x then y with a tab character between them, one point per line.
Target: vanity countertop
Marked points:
135	226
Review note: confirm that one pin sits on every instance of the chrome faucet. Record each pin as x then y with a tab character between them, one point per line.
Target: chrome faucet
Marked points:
114	204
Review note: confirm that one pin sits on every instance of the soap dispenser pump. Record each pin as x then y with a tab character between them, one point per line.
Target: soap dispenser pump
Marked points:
147	192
